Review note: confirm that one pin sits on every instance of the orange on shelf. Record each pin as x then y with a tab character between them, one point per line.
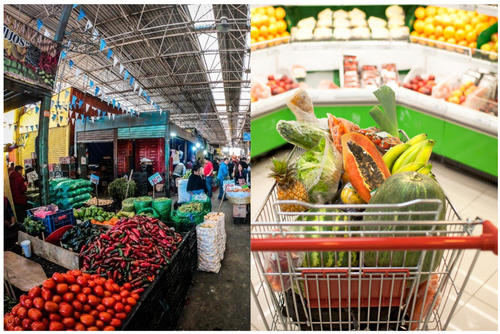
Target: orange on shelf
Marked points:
420	13
419	26
438	31
273	29
429	29
279	13
254	32
472	45
263	31
281	26
430	11
270	11
449	32
460	35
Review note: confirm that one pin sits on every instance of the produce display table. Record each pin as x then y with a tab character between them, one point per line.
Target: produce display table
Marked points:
22	272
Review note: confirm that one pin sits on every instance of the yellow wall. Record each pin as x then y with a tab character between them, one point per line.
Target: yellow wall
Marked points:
58	135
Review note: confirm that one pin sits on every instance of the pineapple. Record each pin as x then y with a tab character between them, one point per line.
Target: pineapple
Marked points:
289	188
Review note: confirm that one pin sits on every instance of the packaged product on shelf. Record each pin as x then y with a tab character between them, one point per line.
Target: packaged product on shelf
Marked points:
389	74
370	77
351	79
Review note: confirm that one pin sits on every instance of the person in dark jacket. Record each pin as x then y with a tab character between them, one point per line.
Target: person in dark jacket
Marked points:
18	189
196	185
240	174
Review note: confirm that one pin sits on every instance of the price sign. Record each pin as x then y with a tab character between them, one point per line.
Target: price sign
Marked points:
246	136
94	179
155	179
32	176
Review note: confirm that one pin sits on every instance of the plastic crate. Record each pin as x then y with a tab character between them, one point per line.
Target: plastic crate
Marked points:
53	222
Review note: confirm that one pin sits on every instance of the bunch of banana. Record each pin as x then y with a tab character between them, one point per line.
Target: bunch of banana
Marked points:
413	155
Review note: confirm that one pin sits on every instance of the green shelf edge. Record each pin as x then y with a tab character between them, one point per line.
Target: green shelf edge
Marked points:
455	142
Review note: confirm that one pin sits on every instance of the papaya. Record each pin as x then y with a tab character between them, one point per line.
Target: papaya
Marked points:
363	164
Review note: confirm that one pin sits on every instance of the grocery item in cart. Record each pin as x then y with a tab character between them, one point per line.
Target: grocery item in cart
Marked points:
327	259
277	262
400	188
363	164
319	169
289	187
425	298
302	134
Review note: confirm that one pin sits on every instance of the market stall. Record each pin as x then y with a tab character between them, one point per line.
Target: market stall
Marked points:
105	245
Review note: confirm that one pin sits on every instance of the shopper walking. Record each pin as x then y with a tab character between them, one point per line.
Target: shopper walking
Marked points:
208	170
240	174
221	176
18	189
196	185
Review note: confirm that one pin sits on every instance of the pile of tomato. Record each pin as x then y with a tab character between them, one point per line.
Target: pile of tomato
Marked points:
73	301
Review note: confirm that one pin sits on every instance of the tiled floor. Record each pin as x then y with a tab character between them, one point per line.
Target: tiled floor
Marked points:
471	197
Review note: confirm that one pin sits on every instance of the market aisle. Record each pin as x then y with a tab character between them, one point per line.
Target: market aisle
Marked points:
472	197
222	301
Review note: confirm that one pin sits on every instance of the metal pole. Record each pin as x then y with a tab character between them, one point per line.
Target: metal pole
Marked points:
43	123
167	153
43	152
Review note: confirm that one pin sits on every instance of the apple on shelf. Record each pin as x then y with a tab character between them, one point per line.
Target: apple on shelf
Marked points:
421	85
280	85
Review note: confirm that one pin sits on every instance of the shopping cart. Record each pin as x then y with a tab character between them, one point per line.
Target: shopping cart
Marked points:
332	270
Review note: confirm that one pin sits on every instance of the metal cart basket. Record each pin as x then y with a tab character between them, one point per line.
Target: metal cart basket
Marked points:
329	269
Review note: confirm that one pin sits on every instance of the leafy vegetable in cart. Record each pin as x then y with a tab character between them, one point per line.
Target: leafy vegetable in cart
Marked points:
319	170
385	113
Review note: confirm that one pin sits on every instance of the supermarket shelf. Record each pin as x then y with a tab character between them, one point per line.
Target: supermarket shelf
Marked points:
326	55
469	118
489	10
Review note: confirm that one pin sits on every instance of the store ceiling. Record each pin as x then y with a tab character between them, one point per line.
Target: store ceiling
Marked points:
174	52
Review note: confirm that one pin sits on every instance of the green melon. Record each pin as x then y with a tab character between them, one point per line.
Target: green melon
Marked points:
327	259
399	188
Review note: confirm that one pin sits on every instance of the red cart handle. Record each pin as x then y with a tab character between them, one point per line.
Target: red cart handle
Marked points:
488	240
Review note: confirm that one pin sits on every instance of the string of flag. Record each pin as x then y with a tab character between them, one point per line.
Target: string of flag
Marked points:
127	77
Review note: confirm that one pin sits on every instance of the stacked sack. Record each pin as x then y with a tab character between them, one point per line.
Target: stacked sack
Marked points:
211	242
218	218
68	193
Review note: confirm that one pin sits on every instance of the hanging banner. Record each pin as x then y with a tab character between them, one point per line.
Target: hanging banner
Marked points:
29	56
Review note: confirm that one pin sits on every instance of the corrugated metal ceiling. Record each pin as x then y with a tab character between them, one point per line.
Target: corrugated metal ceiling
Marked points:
160	47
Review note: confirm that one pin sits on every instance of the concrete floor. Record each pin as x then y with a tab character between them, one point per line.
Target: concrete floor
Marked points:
222	301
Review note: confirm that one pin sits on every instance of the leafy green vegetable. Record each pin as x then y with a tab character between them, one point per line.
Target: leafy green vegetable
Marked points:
319	170
118	189
385	113
33	227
